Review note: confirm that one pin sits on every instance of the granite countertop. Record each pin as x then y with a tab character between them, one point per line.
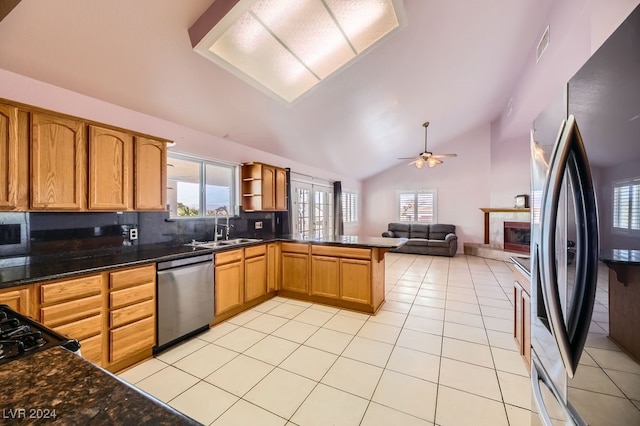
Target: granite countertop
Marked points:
628	257
347	240
15	271
58	382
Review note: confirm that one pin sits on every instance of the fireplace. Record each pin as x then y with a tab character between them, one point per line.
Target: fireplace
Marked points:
517	236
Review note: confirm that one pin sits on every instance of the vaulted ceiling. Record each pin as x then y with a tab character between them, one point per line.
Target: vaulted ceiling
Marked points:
454	64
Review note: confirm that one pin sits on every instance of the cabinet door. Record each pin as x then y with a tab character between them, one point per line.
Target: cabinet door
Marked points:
273	267
325	276
281	189
18	299
268	187
132	338
229	285
8	157
255	281
526	329
110	169
58	163
295	272
150	174
355	280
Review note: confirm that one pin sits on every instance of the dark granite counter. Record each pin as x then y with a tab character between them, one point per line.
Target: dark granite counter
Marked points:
16	271
523	263
620	256
59	383
347	240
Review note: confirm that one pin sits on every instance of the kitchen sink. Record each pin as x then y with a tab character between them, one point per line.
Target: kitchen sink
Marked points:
224	243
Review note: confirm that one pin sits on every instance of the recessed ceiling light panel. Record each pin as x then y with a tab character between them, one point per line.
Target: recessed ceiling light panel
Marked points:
287	47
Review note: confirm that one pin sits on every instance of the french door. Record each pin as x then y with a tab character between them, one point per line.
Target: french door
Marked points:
312	207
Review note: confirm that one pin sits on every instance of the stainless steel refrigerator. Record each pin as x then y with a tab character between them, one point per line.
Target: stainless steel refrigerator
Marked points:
585	203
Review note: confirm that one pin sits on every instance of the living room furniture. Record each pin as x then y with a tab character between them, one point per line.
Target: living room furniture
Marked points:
436	239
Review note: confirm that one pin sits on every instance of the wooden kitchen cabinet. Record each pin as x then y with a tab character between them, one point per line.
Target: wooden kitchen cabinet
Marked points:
263	187
110	169
58	163
325	276
522	317
9	177
132	315
355	280
18	298
273	267
229	280
150	174
74	308
295	267
255	272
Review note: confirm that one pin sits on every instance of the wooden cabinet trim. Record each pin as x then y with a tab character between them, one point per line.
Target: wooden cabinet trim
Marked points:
9	173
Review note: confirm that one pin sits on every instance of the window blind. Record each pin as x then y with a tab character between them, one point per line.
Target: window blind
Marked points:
626	204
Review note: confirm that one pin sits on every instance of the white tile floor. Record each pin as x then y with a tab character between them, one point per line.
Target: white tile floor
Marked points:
439	351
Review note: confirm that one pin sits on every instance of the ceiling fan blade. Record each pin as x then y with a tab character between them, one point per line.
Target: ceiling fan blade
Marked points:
433	161
406	158
444	155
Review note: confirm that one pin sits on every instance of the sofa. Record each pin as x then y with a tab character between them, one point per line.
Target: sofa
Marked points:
436	239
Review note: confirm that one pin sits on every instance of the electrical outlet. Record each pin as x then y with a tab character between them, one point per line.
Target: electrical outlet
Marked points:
133	233
258	225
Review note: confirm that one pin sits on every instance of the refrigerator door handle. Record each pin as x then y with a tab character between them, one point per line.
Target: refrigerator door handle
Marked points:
540	378
570	156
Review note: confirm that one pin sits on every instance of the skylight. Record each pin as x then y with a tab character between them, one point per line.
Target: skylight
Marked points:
287	47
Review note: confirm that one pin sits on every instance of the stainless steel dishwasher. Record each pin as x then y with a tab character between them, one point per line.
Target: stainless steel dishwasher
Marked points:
185	298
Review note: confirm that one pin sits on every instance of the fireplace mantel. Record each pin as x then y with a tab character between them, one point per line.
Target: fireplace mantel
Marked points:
488	210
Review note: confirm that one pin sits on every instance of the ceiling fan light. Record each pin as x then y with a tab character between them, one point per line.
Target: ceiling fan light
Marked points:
432	162
419	163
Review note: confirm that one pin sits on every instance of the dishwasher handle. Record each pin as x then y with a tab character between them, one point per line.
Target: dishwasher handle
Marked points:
185	261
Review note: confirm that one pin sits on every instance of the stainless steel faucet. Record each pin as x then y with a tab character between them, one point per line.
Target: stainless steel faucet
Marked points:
218	212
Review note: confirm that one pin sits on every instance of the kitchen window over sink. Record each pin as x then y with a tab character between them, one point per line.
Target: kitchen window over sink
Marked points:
196	187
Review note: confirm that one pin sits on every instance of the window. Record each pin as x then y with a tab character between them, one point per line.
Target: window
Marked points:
349	207
417	206
197	187
626	205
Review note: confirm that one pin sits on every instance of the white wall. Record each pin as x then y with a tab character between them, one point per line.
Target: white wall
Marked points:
509	170
462	184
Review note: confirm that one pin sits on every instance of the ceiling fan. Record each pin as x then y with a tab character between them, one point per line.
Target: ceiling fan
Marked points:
426	157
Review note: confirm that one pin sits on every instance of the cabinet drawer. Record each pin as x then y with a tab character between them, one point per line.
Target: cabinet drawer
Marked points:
70	289
354	253
255	251
228	257
295	248
91	349
81	329
129	277
131	313
131	295
133	338
71	311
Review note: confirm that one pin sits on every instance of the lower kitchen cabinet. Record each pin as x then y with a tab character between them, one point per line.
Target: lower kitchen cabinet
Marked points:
355	280
522	318
132	315
273	267
17	298
295	267
229	280
75	309
325	276
255	272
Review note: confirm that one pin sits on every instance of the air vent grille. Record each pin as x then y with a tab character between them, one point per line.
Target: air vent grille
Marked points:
542	45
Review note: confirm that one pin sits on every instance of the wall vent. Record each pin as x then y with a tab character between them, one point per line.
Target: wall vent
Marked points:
542	44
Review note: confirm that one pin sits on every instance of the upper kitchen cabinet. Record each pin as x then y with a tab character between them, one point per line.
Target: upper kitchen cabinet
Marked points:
58	163
264	187
150	174
110	169
10	183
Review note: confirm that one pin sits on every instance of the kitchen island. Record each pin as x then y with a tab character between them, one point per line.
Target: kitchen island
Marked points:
57	386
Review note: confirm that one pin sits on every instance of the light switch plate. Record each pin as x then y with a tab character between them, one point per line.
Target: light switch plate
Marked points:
258	225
